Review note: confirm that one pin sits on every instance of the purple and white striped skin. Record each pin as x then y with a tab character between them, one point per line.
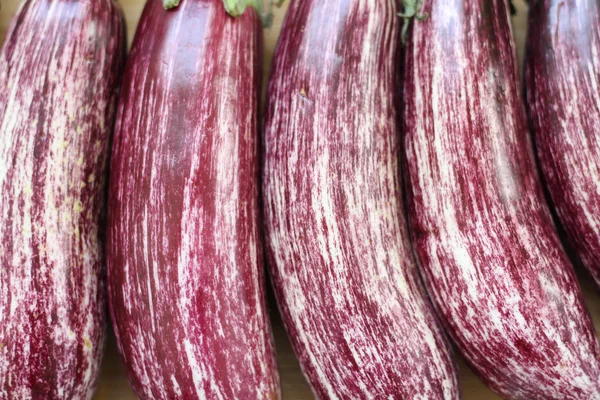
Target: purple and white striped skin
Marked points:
184	250
342	267
563	94
60	68
484	237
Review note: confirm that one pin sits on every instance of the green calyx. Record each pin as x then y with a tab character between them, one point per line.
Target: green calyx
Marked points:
411	9
169	4
236	8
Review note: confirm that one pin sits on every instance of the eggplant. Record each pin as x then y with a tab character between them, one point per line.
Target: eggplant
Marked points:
487	246
60	69
341	263
184	248
562	75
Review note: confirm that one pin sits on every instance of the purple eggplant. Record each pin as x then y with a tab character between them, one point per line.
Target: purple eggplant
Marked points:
483	234
60	69
184	249
341	262
563	94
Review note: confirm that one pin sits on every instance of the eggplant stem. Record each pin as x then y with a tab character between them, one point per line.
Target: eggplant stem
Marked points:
170	4
236	8
411	9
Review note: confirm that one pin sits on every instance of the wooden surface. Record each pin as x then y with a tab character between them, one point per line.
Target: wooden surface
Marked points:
113	383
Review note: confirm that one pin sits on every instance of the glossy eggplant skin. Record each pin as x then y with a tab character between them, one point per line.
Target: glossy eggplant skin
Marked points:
342	267
60	69
184	250
562	80
490	255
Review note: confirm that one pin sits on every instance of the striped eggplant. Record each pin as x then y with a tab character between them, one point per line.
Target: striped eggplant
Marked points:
184	250
60	68
563	94
338	248
483	235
